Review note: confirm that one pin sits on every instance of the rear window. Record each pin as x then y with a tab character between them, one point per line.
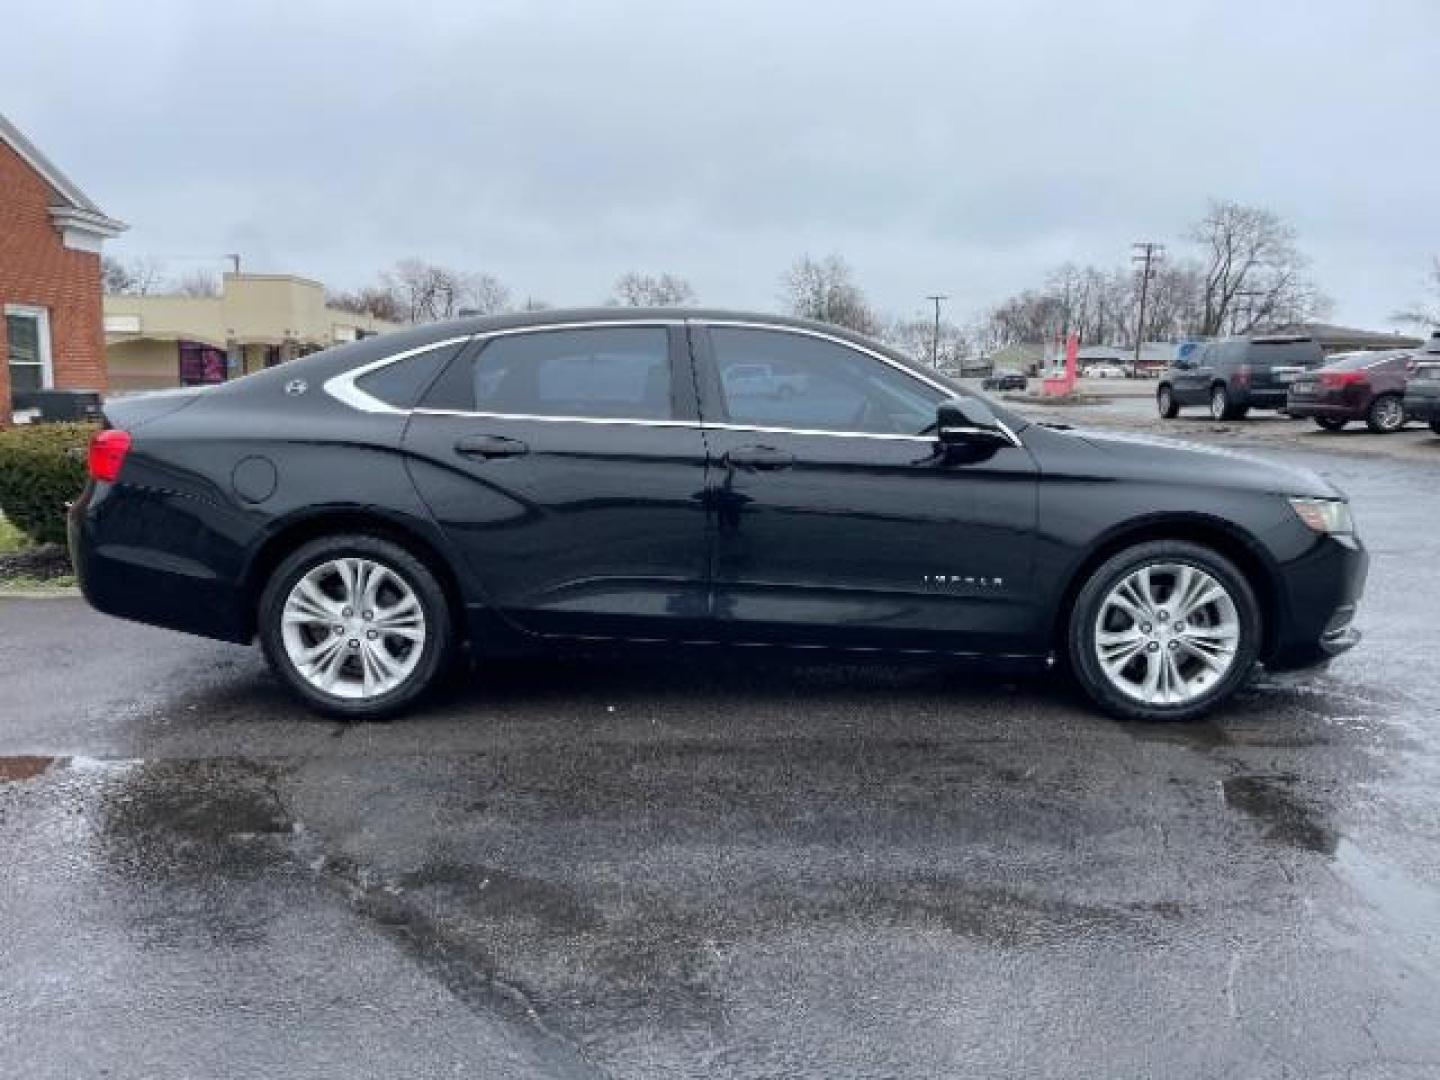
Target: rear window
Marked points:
1355	361
1286	353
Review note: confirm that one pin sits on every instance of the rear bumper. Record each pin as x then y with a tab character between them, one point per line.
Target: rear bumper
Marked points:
1424	409
1319	595
1331	409
1252	398
123	573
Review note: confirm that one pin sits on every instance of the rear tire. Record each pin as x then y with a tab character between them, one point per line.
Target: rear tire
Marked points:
1435	425
1227	629
1386	415
1329	423
355	626
1166	403
1220	405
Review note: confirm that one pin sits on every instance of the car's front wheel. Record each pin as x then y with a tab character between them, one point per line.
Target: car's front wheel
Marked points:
356	626
1165	630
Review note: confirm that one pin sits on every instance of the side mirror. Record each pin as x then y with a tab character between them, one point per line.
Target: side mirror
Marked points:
969	422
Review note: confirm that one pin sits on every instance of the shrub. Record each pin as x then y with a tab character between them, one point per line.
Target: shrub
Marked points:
42	468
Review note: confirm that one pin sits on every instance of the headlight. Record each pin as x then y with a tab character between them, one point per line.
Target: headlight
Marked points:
1325	515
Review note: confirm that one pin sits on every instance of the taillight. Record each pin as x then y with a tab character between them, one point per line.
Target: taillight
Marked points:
1242	375
107	453
1337	379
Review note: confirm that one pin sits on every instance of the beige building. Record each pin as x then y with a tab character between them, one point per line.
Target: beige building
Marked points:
257	321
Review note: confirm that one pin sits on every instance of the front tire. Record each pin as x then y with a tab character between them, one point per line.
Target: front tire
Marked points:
1165	402
355	626
1165	630
1386	414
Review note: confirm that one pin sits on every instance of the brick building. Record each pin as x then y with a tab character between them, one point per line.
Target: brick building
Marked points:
50	235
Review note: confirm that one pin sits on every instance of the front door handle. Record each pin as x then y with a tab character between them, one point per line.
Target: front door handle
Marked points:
490	446
759	458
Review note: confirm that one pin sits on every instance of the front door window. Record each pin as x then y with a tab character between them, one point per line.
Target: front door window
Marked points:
771	378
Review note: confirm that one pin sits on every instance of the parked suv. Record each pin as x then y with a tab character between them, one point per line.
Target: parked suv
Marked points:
1005	380
1367	386
1234	375
1422	392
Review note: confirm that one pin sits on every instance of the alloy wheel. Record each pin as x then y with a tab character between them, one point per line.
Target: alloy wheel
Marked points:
1167	633
1389	414
353	628
1219	403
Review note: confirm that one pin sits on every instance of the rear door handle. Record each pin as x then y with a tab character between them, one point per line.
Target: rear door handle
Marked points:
759	458
490	446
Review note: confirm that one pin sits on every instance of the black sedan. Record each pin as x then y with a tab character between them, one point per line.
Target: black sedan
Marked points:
562	479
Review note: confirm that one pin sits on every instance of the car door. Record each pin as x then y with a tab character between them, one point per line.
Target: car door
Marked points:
1191	382
567	464
837	518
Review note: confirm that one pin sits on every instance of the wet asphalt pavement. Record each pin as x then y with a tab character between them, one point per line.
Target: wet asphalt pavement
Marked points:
727	866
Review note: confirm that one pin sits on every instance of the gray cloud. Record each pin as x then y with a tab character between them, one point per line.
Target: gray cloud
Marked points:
952	146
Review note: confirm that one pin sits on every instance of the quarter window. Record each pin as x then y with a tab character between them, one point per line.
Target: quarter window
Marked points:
771	378
603	373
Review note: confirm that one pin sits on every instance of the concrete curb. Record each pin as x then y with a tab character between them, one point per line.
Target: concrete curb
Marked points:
68	592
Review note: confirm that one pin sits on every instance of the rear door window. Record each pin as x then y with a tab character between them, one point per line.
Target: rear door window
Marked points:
619	372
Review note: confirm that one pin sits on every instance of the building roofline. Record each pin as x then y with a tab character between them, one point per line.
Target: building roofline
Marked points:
83	209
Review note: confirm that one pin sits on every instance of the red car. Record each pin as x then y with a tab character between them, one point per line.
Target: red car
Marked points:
1367	386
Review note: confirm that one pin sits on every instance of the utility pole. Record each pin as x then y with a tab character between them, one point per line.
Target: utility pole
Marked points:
935	338
1146	252
235	259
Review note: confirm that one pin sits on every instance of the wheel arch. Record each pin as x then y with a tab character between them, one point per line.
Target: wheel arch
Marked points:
1220	536
300	530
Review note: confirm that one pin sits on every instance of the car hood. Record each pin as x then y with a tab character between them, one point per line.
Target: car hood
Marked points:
1156	457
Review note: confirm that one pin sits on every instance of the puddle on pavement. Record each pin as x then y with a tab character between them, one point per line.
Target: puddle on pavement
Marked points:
1397	896
1285	817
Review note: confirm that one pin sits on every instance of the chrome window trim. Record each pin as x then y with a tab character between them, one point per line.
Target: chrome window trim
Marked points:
342	387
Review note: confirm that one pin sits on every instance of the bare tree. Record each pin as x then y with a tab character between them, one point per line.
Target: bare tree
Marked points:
426	292
915	337
1425	313
647	290
373	300
1254	274
825	290
131	277
197	283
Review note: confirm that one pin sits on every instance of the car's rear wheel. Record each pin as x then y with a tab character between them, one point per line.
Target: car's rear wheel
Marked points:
1435	426
1386	415
1165	630
356	626
1220	407
1330	423
1165	402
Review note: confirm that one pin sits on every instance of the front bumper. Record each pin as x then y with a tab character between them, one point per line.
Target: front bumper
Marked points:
1319	593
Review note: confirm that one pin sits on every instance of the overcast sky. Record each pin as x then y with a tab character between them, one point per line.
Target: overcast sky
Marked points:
962	148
